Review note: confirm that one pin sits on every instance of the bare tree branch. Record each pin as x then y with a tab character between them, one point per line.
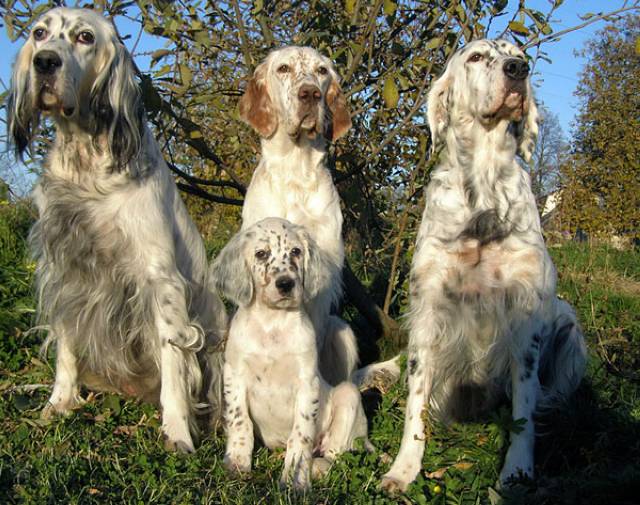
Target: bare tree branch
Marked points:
555	36
194	190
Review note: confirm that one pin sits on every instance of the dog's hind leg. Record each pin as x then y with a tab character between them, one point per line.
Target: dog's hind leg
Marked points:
343	422
381	375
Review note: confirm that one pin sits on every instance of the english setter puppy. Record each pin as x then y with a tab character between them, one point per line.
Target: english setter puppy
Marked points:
484	317
122	270
294	101
271	378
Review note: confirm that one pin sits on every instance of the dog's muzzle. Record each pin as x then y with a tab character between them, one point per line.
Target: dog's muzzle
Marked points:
285	285
47	62
309	96
516	69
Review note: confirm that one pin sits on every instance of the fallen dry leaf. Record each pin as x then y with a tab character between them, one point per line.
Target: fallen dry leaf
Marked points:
437	474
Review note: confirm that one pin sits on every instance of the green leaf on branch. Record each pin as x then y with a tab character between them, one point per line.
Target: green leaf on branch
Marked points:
258	5
518	27
433	43
389	7
349	7
202	37
156	56
390	92
186	75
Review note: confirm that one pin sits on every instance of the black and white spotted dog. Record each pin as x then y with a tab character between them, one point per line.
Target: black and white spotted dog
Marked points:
122	271
271	379
484	317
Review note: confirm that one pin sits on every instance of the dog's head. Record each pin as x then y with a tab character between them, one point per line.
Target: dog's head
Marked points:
486	81
73	68
272	263
296	88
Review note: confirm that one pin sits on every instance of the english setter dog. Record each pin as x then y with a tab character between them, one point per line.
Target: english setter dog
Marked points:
484	317
122	270
271	378
294	101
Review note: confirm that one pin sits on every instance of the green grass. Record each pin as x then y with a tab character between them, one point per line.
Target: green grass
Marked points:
110	450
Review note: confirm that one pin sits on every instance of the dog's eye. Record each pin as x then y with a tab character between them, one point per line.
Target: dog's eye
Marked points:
322	70
295	252
261	254
283	69
86	38
475	57
39	34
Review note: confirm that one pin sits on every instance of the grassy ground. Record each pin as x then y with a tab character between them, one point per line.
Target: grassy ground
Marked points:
111	451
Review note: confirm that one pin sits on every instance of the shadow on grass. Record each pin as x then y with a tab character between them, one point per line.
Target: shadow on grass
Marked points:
588	452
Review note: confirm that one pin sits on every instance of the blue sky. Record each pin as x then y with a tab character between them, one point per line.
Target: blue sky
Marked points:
554	82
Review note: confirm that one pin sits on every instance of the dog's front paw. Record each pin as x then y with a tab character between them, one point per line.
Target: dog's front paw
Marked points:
237	464
402	473
60	406
297	472
300	481
177	436
320	467
394	485
511	475
518	464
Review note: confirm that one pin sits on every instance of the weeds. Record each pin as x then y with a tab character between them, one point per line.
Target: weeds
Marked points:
110	450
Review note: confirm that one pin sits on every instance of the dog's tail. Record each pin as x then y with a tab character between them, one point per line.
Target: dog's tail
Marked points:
212	362
563	358
339	353
378	375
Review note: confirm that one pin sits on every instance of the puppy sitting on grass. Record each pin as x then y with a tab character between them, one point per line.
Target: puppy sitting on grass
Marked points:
271	377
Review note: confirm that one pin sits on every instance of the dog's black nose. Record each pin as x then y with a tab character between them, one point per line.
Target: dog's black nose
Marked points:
46	62
308	93
516	68
285	285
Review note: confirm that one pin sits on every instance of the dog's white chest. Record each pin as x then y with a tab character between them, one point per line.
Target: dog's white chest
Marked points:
271	396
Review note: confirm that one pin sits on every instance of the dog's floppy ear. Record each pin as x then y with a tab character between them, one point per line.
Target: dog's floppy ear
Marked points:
22	116
338	116
527	129
256	107
317	265
230	272
438	103
116	105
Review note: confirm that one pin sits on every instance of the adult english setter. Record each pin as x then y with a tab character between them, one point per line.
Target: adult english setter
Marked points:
271	378
294	101
122	270
484	317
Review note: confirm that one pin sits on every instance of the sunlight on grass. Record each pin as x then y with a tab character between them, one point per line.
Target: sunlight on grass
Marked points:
110	450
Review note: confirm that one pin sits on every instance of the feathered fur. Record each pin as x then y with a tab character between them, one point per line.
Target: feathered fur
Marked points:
271	376
484	319
294	101
122	271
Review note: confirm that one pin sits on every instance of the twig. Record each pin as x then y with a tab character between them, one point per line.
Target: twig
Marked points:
243	35
554	36
26	388
206	182
399	238
358	56
135	44
196	191
186	124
